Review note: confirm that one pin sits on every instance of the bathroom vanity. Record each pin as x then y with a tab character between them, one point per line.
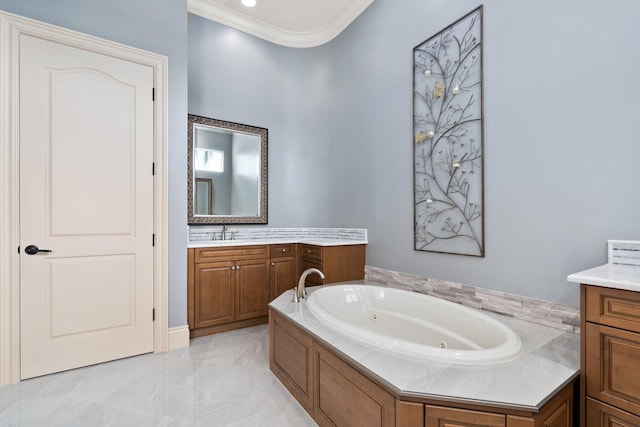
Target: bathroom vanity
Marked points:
340	381
230	283
610	345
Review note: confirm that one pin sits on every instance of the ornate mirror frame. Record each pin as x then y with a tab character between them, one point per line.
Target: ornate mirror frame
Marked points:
263	133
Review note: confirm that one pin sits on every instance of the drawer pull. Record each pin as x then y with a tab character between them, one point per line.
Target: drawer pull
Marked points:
284	250
308	251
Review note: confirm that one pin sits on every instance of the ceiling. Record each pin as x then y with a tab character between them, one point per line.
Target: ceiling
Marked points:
292	23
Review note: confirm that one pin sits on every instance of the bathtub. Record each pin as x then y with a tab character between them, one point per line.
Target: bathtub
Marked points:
414	324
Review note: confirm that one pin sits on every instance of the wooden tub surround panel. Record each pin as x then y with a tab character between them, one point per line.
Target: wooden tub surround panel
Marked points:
345	395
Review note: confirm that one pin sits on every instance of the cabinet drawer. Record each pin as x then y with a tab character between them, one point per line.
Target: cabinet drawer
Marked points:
612	359
286	250
231	253
602	415
613	307
311	251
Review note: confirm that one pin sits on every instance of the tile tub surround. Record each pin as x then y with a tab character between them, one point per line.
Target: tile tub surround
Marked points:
199	234
544	313
220	380
550	360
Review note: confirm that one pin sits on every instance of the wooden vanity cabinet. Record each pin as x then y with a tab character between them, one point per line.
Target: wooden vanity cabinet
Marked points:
338	263
228	288
610	358
284	268
335	392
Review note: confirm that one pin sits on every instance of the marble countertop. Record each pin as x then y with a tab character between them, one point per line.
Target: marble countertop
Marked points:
550	360
610	276
247	242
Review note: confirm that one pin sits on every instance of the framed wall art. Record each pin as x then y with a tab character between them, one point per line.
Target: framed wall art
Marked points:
448	139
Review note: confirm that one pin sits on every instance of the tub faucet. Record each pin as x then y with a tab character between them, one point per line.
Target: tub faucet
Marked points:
300	292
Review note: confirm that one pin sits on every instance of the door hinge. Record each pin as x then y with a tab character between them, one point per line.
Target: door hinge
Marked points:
153	94
153	168
153	239
153	314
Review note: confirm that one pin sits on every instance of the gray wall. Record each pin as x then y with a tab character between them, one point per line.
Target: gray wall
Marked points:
561	123
158	26
560	127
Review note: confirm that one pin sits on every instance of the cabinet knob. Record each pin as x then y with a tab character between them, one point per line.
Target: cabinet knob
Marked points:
238	268
308	251
273	264
284	250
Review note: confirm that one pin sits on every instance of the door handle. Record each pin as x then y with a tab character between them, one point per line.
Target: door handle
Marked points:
33	249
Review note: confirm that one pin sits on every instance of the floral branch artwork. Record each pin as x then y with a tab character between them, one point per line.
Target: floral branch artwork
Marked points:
448	154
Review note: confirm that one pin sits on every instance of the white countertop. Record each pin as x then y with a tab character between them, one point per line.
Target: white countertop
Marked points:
550	360
610	276
248	242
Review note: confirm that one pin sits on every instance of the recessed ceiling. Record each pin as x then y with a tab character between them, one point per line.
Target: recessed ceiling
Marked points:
293	23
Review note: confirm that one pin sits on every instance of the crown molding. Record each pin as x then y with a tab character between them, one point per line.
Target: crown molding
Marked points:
274	34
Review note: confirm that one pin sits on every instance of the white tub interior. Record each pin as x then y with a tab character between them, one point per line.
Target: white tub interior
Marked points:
414	324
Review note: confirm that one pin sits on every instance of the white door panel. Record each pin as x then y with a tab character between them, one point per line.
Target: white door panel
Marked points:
86	193
87	102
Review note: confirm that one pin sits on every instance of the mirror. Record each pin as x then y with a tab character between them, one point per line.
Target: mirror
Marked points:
227	177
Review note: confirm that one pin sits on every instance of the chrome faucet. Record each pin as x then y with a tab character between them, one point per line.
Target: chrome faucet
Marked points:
223	233
300	292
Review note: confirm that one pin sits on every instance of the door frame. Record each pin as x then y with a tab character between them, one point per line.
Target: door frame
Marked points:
11	27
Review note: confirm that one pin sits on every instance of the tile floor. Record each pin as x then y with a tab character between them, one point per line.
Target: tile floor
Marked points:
220	380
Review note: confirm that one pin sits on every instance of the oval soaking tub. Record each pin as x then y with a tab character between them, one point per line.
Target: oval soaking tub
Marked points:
414	324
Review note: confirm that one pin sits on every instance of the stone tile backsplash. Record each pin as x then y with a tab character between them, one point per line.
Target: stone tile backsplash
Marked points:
541	312
203	233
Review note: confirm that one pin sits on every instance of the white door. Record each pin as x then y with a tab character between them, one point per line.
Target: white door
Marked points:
86	194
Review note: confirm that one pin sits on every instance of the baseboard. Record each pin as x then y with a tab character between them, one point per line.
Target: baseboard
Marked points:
178	337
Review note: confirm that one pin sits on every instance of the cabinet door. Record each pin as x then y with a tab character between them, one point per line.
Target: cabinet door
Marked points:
436	416
602	415
252	288
283	275
612	359
214	294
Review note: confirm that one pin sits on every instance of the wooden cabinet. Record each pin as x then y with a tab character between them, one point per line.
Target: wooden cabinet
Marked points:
252	288
284	268
600	414
214	294
336	393
610	359
338	263
228	288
